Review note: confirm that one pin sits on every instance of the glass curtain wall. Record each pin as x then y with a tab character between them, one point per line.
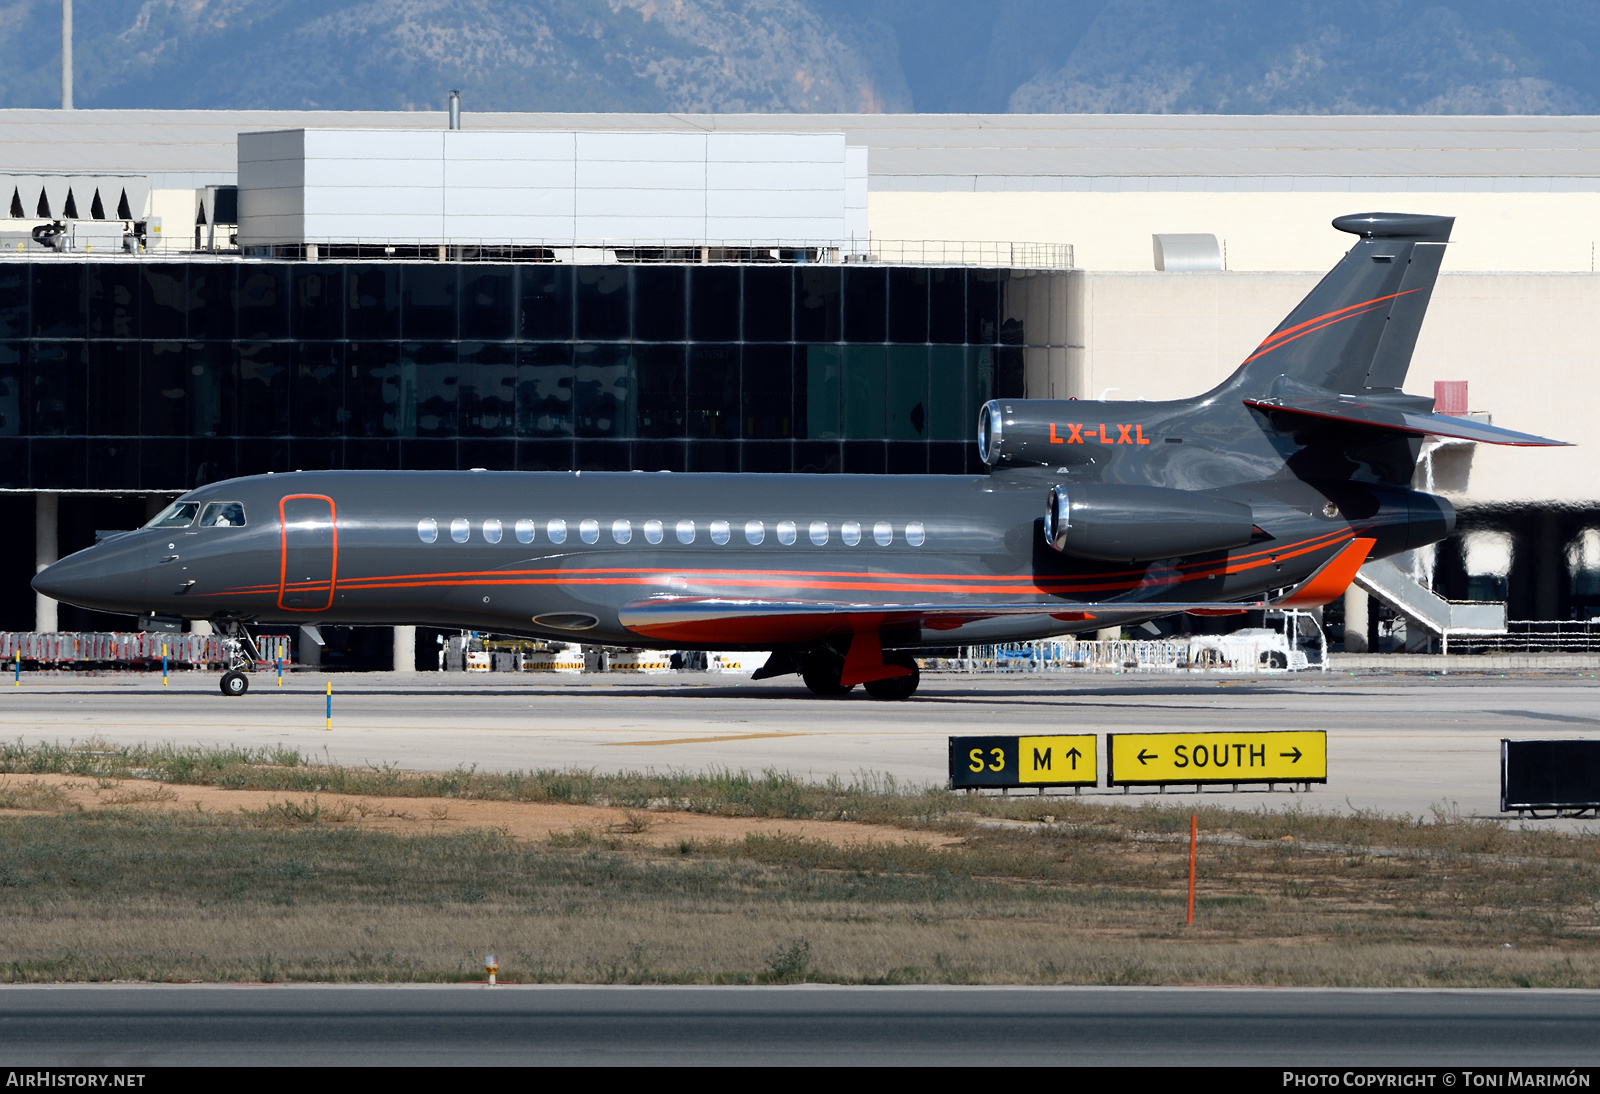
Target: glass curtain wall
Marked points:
165	375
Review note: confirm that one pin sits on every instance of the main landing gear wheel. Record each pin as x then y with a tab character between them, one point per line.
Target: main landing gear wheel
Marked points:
235	683
821	674
898	687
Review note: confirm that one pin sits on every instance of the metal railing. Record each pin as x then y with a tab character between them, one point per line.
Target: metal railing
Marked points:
110	647
1534	636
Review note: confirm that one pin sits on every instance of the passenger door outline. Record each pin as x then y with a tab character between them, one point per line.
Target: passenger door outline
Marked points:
295	598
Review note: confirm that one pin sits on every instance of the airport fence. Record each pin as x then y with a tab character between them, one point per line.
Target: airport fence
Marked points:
1534	636
110	648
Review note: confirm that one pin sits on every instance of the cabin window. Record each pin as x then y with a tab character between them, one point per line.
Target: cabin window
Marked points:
621	531
686	531
524	531
652	531
589	530
883	533
819	532
850	532
180	514
557	530
427	530
460	530
222	514
719	532
915	533
786	533
492	531
754	532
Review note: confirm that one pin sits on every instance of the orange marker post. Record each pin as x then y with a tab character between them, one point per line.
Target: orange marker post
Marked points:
1194	835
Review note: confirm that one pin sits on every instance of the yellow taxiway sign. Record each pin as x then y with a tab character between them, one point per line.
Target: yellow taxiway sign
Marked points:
1143	759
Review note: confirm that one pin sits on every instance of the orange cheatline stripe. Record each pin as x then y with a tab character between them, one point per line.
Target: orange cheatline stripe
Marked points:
1289	334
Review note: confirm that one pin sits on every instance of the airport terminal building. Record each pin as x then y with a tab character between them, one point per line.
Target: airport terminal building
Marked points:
188	296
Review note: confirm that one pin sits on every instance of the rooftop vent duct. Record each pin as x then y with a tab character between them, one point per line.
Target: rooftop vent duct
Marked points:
455	109
1185	253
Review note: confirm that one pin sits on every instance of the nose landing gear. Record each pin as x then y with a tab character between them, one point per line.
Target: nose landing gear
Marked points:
235	682
242	656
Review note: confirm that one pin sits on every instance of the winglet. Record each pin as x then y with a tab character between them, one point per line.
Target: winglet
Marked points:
1331	579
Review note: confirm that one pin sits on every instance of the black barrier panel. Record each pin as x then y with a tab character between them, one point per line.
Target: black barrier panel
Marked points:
994	763
1549	775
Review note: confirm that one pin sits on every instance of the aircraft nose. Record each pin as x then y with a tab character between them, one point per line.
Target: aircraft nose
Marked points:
104	578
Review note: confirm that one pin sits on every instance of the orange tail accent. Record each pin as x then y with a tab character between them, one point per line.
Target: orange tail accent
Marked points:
864	662
1330	582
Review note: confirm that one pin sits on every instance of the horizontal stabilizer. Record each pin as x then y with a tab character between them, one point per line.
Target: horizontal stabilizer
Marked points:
1399	419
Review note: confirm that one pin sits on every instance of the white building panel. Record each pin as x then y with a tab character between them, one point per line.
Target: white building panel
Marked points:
508	203
375	145
509	174
512	229
767	203
774	147
765	176
408	201
465	145
640	175
659	148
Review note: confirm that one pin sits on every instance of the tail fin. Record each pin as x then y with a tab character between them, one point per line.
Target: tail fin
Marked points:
1355	331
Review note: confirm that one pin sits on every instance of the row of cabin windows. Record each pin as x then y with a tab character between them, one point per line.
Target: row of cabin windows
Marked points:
655	531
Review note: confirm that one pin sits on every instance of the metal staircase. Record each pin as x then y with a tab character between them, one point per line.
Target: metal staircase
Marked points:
1398	589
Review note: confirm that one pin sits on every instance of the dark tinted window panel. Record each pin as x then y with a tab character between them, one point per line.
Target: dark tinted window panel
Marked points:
864	375
113	300
211	460
947	306
371	455
15	474
264	454
908	304
316	390
211	377
113	389
316	454
213	300
865	304
14	300
429	389
263	301
544	456
497	455
817	457
865	458
163	300
768	304
113	464
948	407
13	374
714	303
661	377
947	458
428	454
1024	309
544	302
660	304
487	374
818	374
602	390
817	304
1009	374
56	391
766	389
60	307
601	456
907	458
766	457
428	300
372	389
545	379
980	381
372	302
660	456
983	307
261	388
906	394
603	302
316	300
713	392
57	463
714	456
488	302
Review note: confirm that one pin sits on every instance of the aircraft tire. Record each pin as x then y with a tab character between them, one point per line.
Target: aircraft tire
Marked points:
821	675
234	683
900	687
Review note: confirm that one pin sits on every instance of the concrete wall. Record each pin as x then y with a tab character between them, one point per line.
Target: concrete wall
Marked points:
1525	343
1283	230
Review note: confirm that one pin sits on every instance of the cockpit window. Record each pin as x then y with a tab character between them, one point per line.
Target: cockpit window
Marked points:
180	514
223	514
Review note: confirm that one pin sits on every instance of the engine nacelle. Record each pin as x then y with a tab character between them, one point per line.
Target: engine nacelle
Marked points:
1112	522
1028	432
